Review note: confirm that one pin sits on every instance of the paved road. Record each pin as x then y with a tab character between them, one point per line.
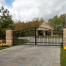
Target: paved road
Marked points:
30	55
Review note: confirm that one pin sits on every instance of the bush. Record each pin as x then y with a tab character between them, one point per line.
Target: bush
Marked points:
3	45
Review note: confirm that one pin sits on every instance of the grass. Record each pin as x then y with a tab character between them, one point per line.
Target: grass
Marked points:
3	48
50	37
63	57
21	42
54	37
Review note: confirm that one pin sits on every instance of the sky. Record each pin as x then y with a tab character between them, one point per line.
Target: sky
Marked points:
9	2
27	10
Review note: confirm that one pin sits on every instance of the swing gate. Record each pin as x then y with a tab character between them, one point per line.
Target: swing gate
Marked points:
43	36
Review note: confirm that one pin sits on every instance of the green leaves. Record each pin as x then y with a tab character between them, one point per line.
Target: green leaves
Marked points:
57	22
5	20
22	25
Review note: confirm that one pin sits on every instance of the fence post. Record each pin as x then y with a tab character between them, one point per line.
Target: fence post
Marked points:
9	37
35	35
64	38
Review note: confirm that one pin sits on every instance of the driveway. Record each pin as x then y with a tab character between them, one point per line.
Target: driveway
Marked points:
30	55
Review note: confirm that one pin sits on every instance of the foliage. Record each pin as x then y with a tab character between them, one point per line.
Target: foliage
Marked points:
3	48
28	28
57	22
23	25
3	45
5	21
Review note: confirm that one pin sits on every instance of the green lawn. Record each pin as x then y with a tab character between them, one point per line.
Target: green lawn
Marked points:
50	37
21	42
53	37
63	57
3	48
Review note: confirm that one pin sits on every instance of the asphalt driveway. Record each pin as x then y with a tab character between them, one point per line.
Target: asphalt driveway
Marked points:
30	55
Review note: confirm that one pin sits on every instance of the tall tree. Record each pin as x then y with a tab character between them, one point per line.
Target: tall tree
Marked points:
41	20
57	22
62	19
5	20
23	25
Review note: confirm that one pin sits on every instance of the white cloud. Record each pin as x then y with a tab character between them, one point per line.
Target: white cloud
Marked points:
29	9
2	3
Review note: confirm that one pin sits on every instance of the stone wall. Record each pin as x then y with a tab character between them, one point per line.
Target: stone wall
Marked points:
9	37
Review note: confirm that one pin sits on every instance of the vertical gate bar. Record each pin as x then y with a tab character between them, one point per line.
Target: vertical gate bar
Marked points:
13	37
35	35
62	38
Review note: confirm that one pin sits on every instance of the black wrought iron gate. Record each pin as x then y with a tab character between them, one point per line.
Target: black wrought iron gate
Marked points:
38	36
26	36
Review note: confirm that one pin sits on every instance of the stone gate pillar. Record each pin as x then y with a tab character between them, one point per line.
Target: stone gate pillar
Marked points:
64	38
9	37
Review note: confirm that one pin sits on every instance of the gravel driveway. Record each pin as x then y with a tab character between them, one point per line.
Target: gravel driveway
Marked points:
30	55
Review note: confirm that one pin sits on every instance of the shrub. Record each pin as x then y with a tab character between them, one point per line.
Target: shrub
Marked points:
3	45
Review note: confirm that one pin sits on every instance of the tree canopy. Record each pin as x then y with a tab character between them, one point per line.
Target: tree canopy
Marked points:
57	22
5	21
22	25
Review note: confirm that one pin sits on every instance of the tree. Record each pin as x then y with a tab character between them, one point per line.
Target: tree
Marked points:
5	20
57	22
35	22
41	20
62	19
18	26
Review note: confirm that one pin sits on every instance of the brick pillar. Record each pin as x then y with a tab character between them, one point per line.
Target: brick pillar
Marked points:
9	37
64	38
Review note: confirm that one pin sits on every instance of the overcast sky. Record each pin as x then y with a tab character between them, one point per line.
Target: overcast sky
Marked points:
28	9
